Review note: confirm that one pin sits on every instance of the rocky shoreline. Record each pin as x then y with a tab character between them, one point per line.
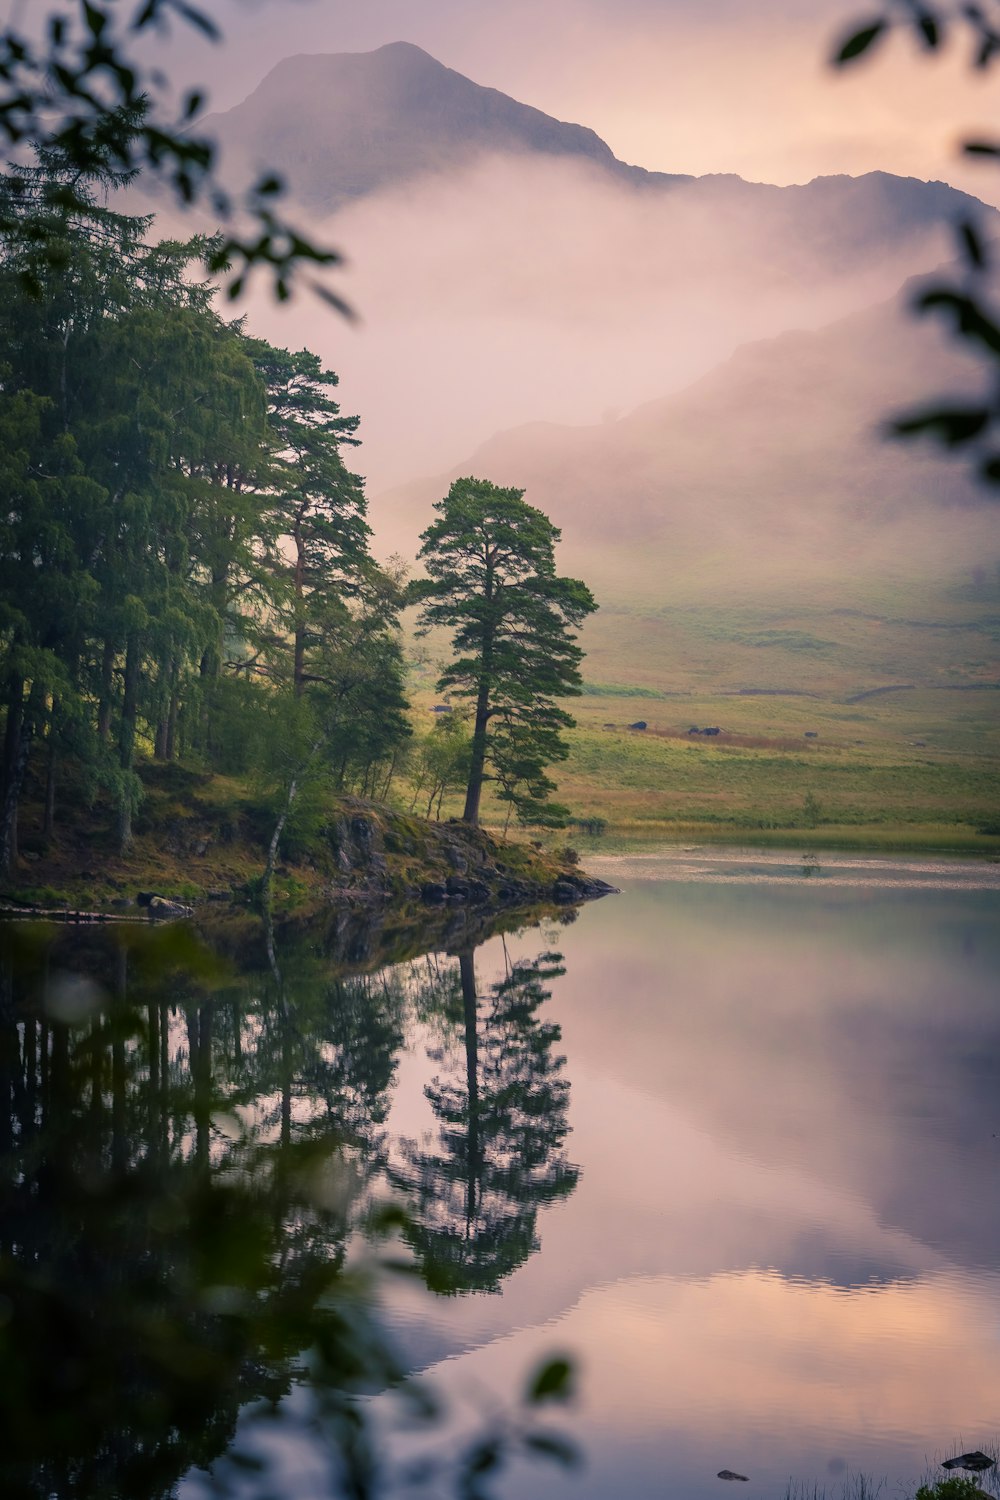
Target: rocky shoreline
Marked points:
371	857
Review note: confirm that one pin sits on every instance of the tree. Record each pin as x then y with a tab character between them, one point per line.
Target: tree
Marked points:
491	577
75	80
441	763
318	505
502	1103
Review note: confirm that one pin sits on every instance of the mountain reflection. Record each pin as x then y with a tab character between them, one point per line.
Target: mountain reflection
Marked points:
189	1160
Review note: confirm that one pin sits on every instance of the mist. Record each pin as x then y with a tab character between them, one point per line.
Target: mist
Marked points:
519	290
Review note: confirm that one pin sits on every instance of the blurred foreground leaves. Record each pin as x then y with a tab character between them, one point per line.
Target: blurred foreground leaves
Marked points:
968	301
190	1228
75	79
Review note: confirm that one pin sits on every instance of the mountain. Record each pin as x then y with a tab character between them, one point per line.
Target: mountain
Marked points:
506	267
781	448
344	125
347	124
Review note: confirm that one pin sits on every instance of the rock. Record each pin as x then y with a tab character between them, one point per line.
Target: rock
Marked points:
639	724
362	833
201	848
974	1463
219	895
433	893
160	906
566	890
457	860
729	1474
30	856
812	734
457	888
478	892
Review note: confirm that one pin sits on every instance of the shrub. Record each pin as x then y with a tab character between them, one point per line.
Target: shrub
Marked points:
951	1489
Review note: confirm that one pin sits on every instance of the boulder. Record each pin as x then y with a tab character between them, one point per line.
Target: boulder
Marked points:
162	906
976	1462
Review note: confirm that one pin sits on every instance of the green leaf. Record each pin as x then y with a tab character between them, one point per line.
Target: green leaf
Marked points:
981	148
952	425
971	245
198	19
96	19
929	30
552	1382
859	42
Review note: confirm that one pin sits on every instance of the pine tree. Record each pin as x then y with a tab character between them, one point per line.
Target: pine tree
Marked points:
492	579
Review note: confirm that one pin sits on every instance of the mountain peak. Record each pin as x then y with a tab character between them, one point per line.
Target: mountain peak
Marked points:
343	124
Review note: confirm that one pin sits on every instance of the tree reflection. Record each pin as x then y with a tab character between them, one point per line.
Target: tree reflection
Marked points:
182	1166
188	1161
501	1101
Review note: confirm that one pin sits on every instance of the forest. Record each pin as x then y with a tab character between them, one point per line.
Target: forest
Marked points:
186	557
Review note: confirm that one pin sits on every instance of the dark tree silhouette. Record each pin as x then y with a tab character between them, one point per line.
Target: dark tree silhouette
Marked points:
502	1110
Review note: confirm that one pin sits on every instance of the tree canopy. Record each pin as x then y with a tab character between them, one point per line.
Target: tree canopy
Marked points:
181	541
491	578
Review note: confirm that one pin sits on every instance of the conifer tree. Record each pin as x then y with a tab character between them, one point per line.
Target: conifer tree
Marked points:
491	577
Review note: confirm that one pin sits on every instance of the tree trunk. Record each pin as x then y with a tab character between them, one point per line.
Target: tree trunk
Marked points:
299	659
173	711
467	968
11	750
52	765
477	759
107	683
163	715
119	1072
279	827
126	741
15	779
390	774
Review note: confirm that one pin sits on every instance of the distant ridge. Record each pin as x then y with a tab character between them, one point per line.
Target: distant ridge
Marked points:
783	441
345	124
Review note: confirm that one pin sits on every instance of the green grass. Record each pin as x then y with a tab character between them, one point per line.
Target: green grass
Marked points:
812	750
794	670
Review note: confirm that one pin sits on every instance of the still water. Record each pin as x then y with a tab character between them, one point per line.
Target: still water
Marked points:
730	1140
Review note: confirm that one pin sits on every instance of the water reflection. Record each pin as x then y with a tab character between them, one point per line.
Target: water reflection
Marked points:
189	1159
778	1252
500	1100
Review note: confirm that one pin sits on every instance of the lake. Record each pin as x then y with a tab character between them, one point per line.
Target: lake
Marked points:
729	1140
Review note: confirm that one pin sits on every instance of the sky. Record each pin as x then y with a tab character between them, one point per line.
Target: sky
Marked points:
673	85
499	299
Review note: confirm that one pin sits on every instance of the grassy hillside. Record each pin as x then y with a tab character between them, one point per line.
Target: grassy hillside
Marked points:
871	721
